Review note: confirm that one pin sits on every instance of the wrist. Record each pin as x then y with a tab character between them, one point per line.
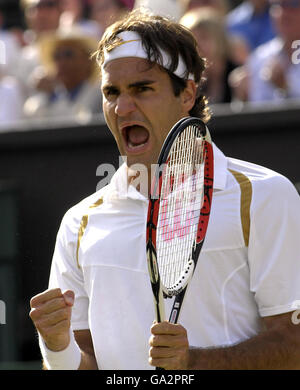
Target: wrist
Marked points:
66	359
193	357
58	345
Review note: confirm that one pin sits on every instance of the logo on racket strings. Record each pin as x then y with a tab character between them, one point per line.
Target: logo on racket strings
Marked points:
180	204
177	226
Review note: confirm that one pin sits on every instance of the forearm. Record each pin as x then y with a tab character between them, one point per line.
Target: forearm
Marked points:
88	362
268	350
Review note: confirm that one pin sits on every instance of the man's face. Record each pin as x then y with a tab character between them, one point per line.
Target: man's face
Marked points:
105	12
140	107
72	64
43	16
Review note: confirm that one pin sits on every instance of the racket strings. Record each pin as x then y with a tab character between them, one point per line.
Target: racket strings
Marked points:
180	204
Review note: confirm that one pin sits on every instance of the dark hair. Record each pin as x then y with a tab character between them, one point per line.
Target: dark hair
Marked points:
159	33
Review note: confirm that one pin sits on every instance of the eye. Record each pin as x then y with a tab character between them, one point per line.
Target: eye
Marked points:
143	88
110	92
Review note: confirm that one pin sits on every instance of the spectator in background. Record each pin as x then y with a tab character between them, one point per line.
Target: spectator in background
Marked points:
239	49
9	46
209	30
106	12
70	89
76	13
272	74
42	17
251	21
221	6
167	8
11	100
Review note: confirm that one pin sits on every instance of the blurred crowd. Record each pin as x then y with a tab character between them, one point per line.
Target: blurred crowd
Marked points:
251	47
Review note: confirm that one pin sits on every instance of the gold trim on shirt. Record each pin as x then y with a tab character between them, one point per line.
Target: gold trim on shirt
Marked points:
246	197
82	227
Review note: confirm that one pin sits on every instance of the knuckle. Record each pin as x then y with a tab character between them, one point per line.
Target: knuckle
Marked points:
151	352
155	341
34	301
34	314
181	329
151	341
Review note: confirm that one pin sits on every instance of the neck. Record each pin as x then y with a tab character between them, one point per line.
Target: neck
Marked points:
140	180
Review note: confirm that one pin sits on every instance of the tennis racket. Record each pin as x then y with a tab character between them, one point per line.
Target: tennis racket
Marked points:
178	212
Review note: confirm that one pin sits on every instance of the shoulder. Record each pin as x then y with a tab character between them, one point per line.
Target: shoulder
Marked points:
73	218
91	201
255	173
267	185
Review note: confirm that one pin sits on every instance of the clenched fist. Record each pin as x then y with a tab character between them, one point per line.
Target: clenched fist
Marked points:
51	315
169	346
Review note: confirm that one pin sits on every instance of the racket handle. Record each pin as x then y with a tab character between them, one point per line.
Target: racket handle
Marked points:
160	315
160	307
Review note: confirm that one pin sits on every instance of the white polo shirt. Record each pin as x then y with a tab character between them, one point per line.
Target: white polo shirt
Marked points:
248	268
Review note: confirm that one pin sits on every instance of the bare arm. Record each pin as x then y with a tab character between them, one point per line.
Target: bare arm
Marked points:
84	340
277	347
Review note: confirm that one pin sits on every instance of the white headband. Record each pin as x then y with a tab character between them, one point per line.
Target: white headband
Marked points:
131	46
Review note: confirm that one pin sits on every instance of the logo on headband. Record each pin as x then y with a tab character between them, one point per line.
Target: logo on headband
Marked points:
118	49
121	42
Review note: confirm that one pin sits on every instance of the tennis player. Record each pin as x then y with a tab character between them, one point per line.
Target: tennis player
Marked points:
239	310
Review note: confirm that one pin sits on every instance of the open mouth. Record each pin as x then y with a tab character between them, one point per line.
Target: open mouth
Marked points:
136	137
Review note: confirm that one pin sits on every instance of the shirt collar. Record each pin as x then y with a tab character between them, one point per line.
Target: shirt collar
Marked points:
220	169
119	187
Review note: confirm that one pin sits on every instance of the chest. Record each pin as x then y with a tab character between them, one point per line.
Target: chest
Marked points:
116	236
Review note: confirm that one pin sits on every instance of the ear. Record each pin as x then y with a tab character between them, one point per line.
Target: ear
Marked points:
188	96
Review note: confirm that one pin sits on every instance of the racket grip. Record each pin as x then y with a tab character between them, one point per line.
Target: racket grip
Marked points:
160	307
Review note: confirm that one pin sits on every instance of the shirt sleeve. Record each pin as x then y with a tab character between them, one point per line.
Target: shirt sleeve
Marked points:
274	245
65	272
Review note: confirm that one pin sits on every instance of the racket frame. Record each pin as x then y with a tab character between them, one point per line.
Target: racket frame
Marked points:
153	211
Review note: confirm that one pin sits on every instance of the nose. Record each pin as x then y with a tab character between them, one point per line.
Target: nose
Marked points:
124	105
